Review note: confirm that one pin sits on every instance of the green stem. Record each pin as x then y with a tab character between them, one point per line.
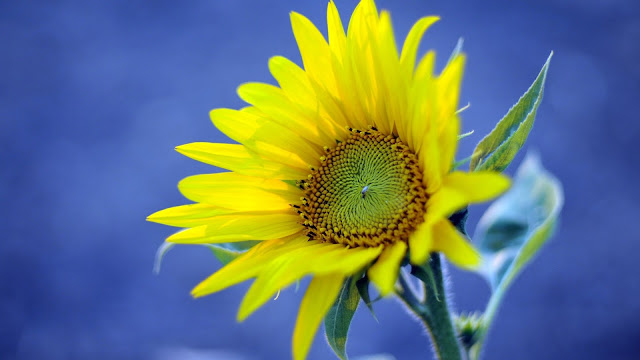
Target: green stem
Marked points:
434	312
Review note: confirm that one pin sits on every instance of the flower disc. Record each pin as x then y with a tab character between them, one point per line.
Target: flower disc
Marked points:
367	192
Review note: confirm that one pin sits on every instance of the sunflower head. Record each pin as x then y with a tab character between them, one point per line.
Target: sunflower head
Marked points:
345	165
367	191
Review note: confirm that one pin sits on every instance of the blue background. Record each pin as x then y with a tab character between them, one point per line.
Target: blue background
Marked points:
95	95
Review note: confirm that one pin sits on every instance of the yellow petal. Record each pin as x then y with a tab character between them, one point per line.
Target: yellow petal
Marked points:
384	272
460	189
316	258
391	99
337	37
421	102
312	99
411	43
420	243
248	265
278	108
477	186
449	83
314	50
357	78
320	295
454	246
282	272
448	143
429	158
239	192
188	215
265	137
293	81
240	227
238	158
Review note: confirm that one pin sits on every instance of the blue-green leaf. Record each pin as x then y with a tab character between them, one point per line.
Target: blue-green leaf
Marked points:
513	230
497	150
338	319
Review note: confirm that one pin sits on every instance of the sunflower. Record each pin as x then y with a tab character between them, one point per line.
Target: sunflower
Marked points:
344	167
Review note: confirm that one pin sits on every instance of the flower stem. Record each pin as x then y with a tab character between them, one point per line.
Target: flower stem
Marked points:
433	311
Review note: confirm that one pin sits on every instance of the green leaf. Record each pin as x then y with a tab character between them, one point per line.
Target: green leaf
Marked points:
497	150
338	319
513	230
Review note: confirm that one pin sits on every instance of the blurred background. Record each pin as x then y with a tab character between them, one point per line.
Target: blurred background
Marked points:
94	96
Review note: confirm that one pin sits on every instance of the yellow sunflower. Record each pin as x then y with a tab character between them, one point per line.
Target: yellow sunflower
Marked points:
345	166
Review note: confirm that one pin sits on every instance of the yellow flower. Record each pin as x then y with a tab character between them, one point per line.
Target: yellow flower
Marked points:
345	165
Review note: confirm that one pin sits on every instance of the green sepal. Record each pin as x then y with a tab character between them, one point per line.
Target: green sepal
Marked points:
338	318
513	230
160	253
497	149
223	255
223	252
462	136
458	164
456	50
229	251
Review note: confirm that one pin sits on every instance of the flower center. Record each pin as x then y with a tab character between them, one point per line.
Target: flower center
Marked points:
368	191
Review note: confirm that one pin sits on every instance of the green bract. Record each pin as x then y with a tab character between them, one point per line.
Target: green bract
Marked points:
497	150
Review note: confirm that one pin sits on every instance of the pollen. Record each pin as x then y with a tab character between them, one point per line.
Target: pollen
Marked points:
367	191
